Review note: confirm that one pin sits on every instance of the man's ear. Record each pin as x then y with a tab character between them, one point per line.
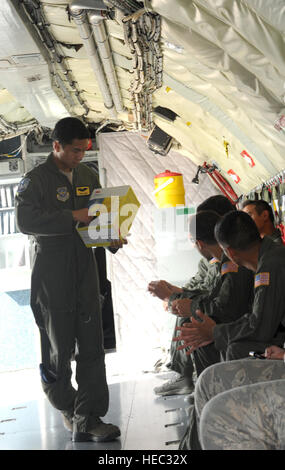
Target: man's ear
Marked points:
200	244
265	215
231	252
56	145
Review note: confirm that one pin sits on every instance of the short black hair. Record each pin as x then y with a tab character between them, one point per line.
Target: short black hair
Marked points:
219	203
237	230
202	226
260	206
68	129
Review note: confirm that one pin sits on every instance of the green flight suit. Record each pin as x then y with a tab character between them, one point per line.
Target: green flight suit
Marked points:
204	279
228	300
263	325
225	303
65	290
203	282
276	237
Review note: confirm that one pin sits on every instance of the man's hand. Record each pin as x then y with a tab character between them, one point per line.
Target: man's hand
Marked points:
197	333
274	352
81	215
181	307
117	244
162	289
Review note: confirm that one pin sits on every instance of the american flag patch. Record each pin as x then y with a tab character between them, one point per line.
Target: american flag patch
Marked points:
229	267
261	279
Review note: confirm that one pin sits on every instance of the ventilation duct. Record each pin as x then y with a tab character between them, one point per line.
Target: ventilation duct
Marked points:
88	5
98	51
102	42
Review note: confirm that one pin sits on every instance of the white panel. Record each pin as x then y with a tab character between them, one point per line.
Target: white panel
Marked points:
271	12
140	318
24	71
32	88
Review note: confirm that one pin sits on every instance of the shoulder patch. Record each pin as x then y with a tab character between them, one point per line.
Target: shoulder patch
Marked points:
262	279
24	183
229	267
213	261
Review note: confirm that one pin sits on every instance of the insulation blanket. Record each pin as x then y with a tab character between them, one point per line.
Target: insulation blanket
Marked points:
125	159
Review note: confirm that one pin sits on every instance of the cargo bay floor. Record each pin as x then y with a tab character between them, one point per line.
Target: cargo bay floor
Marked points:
147	422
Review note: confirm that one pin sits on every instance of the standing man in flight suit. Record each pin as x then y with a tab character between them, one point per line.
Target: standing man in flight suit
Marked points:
51	199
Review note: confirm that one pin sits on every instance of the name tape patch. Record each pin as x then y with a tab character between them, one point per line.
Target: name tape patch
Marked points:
262	279
229	267
82	191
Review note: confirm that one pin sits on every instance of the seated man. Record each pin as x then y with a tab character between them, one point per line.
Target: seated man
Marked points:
224	303
240	404
261	212
238	235
205	280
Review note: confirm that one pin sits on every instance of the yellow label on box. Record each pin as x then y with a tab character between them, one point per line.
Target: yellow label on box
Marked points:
114	210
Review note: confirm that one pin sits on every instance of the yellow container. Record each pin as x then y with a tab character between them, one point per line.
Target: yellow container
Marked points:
169	189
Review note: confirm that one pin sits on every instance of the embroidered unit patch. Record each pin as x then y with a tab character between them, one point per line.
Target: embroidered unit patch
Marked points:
262	279
24	183
229	267
62	194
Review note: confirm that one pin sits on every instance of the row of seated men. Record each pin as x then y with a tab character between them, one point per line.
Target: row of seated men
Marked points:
235	304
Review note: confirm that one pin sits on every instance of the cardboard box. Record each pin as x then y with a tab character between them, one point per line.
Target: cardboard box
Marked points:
114	210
